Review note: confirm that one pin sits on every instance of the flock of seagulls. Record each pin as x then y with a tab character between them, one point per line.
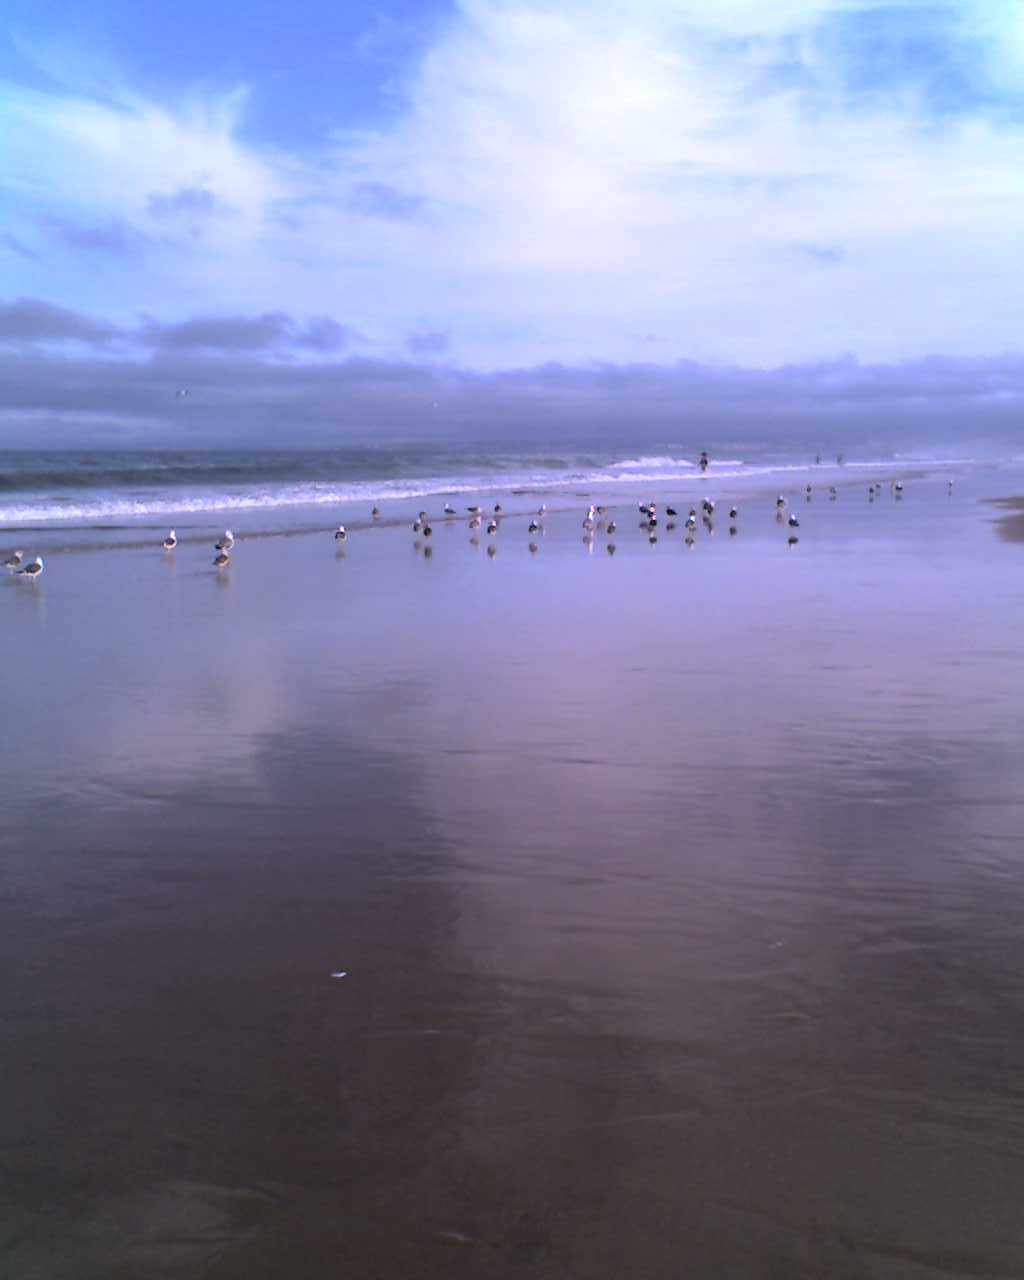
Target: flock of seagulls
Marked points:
594	521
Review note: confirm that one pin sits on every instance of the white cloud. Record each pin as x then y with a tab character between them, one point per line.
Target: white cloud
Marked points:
574	174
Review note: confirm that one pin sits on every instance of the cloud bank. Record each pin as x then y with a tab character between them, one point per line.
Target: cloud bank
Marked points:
275	380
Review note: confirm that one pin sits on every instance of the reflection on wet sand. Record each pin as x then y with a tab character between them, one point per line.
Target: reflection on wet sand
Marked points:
678	899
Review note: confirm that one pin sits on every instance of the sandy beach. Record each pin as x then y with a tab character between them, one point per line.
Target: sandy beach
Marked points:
676	892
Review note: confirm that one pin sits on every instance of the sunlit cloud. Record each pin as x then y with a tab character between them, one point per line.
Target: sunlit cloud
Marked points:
751	183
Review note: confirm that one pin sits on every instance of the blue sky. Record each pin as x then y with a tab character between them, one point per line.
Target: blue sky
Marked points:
496	184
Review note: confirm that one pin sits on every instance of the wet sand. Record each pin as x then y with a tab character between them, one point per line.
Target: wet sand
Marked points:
678	893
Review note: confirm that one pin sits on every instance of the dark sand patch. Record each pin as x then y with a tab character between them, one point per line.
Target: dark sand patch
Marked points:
1011	527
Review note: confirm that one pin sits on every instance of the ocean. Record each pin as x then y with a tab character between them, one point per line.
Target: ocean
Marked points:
274	490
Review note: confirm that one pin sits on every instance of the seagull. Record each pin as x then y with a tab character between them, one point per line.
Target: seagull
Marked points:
671	511
541	509
474	511
14	560
340	534
793	522
427	531
375	512
780	501
532	527
497	508
691	521
449	510
612	526
832	491
732	513
898	487
33	569
222	560
492	526
226	543
171	541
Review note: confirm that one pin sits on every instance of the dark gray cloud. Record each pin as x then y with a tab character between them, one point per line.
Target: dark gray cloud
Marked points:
220	333
324	334
19	247
248	386
828	255
429	342
114	237
378	200
189	201
273	332
30	320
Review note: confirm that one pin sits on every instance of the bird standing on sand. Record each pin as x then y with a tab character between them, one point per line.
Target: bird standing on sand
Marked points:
793	522
14	560
226	543
449	510
340	534
492	526
170	542
33	569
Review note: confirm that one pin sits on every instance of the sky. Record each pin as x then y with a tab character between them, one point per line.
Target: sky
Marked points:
459	197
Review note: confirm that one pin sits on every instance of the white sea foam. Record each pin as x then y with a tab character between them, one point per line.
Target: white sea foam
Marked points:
104	505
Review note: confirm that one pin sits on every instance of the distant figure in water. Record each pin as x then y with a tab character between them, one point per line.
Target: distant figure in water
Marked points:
839	459
704	460
817	459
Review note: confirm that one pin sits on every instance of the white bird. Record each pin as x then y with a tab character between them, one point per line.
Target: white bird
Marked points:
732	513
340	533
541	509
449	510
226	543
473	511
33	569
492	526
780	501
171	541
533	527
793	522
14	560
